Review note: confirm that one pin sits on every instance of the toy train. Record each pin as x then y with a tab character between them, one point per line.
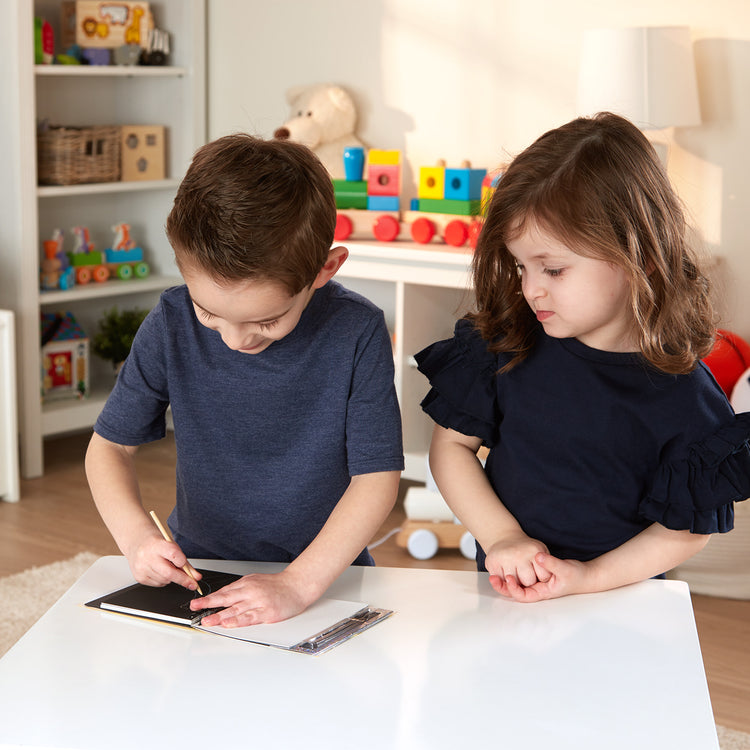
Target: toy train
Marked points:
449	205
62	270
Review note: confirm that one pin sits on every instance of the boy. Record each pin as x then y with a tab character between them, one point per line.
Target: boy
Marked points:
280	382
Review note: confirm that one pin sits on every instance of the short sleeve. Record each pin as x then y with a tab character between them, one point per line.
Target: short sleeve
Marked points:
462	374
697	491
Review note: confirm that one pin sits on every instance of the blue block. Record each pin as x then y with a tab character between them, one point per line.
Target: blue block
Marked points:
383	203
464	184
124	256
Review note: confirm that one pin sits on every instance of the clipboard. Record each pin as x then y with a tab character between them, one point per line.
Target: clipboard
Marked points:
321	627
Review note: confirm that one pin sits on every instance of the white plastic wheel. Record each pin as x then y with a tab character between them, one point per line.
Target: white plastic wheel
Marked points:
422	544
468	546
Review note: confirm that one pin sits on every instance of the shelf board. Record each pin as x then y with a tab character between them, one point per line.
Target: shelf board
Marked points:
113	288
112	71
96	188
70	415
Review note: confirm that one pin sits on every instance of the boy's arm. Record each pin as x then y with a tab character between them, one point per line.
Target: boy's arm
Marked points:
269	598
110	470
652	552
464	485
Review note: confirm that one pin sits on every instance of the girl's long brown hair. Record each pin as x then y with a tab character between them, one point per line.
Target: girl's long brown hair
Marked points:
596	185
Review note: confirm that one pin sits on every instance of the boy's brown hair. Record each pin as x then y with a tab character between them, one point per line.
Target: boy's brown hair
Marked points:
596	185
254	209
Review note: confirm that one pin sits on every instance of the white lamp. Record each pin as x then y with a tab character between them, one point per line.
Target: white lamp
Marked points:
646	74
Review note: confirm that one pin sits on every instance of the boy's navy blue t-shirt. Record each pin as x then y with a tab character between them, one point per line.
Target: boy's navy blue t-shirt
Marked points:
587	447
266	443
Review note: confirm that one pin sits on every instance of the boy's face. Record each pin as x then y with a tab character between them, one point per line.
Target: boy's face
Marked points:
248	315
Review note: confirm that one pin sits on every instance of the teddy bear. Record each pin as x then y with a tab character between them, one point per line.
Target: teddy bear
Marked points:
323	118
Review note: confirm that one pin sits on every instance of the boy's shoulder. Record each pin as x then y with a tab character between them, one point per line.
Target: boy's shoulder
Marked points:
340	299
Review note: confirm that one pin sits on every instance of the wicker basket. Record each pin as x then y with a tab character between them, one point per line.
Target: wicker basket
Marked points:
68	156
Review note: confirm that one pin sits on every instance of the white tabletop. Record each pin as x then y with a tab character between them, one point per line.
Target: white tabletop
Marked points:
454	667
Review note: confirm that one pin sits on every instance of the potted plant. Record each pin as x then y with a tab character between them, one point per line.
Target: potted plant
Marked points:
115	334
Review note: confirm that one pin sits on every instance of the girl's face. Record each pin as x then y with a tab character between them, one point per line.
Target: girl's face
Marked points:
574	296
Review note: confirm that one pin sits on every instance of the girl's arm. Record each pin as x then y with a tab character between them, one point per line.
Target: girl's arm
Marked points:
354	521
652	552
464	485
110	470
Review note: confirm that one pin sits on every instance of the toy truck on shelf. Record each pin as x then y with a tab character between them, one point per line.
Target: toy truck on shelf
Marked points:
448	207
124	260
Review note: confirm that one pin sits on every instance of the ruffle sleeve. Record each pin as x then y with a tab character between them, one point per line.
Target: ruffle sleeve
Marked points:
461	372
698	490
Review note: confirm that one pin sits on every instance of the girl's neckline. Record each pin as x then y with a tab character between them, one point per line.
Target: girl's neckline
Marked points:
579	349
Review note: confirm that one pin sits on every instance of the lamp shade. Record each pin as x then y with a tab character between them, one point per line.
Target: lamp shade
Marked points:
646	74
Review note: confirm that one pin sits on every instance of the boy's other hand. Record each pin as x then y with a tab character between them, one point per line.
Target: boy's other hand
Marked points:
253	599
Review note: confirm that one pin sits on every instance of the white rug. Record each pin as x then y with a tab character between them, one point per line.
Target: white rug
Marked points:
35	590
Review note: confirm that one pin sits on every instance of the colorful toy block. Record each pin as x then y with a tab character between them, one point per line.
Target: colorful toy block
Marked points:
383	203
384	179
382	157
350	193
456	207
464	184
431	182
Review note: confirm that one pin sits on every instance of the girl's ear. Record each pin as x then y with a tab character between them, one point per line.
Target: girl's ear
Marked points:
336	258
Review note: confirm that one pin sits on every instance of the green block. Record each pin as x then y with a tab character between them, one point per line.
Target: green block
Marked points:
456	207
350	200
356	187
85	259
350	193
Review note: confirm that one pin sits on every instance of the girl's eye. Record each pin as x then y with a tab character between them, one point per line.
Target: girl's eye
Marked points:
554	271
269	325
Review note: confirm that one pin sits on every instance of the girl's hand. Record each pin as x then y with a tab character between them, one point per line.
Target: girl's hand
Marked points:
252	599
515	557
562	577
157	562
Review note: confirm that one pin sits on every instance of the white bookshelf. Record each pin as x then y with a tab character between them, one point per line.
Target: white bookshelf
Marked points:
422	289
173	96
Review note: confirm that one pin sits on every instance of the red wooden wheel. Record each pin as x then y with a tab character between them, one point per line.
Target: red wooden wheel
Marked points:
474	229
83	274
385	228
456	233
343	229
422	230
101	273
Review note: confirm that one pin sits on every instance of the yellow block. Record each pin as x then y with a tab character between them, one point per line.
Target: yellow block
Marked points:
379	156
432	182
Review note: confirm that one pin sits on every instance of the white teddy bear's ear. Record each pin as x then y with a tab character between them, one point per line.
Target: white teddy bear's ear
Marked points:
339	97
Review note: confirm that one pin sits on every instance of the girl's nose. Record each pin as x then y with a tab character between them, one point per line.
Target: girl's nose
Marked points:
532	286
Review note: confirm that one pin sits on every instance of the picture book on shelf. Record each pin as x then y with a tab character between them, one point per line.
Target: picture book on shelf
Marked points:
322	626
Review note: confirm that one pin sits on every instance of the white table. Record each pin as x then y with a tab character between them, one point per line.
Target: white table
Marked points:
454	667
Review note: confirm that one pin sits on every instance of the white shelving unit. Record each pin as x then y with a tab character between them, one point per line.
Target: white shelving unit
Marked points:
173	96
422	289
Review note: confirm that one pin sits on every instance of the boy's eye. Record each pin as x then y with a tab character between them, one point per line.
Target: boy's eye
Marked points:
268	325
205	314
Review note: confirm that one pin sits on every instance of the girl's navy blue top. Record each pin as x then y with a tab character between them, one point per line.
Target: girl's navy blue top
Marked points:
588	447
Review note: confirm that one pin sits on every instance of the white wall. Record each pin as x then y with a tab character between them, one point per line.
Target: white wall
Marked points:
481	79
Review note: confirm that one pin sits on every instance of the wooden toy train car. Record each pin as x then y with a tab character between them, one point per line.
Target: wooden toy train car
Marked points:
448	207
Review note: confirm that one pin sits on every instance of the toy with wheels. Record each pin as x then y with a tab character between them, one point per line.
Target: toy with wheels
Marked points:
431	526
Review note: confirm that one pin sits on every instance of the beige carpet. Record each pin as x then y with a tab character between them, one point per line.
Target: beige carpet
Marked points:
34	591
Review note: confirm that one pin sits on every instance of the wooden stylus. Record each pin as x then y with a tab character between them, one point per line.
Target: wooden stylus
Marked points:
165	533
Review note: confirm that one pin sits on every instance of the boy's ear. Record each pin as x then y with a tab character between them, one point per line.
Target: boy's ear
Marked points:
336	258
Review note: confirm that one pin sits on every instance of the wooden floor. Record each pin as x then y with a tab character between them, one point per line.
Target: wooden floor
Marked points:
56	519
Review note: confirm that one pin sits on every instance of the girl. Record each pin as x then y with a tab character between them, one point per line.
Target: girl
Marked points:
613	452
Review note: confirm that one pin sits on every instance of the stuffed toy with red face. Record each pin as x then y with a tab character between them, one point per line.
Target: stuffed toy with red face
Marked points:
728	360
